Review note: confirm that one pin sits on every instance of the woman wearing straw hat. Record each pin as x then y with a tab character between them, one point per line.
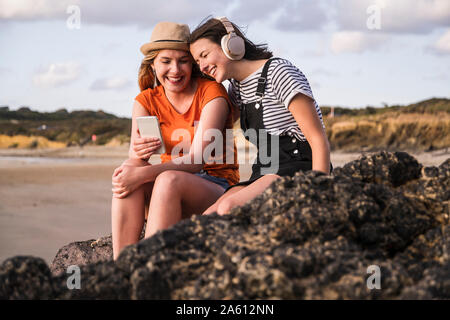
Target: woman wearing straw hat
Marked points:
173	90
274	98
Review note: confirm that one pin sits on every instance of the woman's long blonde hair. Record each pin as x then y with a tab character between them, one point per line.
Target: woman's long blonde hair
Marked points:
146	75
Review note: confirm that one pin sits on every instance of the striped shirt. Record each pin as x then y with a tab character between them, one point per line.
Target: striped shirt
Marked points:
284	81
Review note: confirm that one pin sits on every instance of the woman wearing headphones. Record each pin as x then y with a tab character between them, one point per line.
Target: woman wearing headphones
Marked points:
274	98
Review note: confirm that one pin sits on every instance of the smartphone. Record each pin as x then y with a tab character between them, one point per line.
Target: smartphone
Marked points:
149	127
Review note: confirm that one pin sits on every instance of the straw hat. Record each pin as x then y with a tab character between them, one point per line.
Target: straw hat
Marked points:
168	35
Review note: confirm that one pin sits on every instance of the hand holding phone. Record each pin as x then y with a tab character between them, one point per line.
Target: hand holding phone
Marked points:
145	147
150	138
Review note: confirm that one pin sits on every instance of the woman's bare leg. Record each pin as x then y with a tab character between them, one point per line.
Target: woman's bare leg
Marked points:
127	215
177	195
242	195
215	206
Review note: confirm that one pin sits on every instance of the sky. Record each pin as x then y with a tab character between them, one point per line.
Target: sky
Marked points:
84	54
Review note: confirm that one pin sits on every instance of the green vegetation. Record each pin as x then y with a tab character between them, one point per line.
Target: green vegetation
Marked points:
433	105
72	128
423	126
420	126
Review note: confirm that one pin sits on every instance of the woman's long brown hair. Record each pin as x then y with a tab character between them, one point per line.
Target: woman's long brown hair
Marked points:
213	29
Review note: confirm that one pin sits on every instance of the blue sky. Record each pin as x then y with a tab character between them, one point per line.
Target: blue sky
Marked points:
354	52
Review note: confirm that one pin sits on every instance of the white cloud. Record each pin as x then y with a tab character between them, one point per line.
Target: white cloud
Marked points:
402	16
146	13
112	83
287	15
315	85
5	70
33	9
302	16
442	45
355	42
436	77
143	13
253	10
324	72
57	74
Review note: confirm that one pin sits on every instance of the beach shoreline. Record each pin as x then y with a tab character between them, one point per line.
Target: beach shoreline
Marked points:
49	198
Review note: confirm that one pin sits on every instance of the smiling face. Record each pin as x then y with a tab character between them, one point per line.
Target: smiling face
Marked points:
211	59
173	69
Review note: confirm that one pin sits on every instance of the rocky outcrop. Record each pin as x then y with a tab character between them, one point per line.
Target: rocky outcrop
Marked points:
82	253
311	236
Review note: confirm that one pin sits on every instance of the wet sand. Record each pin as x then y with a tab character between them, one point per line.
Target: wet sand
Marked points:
44	206
49	198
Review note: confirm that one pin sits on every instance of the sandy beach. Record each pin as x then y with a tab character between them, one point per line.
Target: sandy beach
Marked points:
49	198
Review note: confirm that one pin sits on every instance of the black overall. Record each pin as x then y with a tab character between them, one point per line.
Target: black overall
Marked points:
294	155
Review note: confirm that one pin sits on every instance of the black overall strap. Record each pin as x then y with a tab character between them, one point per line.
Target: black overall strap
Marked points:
263	79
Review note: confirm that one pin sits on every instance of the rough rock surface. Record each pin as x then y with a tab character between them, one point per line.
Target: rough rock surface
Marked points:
311	236
82	253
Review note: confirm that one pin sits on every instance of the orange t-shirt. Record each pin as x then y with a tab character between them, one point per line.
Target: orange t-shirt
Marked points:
157	104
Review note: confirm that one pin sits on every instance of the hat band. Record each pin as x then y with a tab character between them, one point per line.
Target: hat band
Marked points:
169	41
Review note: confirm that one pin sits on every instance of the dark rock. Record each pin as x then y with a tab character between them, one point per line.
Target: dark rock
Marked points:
84	252
311	236
25	277
81	253
384	167
102	280
149	284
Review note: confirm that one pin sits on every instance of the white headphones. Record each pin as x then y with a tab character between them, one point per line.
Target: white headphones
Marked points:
233	46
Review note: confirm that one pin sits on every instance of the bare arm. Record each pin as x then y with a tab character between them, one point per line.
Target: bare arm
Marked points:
304	111
213	116
127	178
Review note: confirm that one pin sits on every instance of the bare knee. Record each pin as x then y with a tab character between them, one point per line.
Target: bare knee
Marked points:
130	205
168	181
271	177
211	209
225	206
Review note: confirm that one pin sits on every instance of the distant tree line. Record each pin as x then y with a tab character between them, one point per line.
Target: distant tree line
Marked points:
77	127
433	105
73	128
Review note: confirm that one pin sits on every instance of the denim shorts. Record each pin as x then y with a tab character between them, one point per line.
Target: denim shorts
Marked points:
217	180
